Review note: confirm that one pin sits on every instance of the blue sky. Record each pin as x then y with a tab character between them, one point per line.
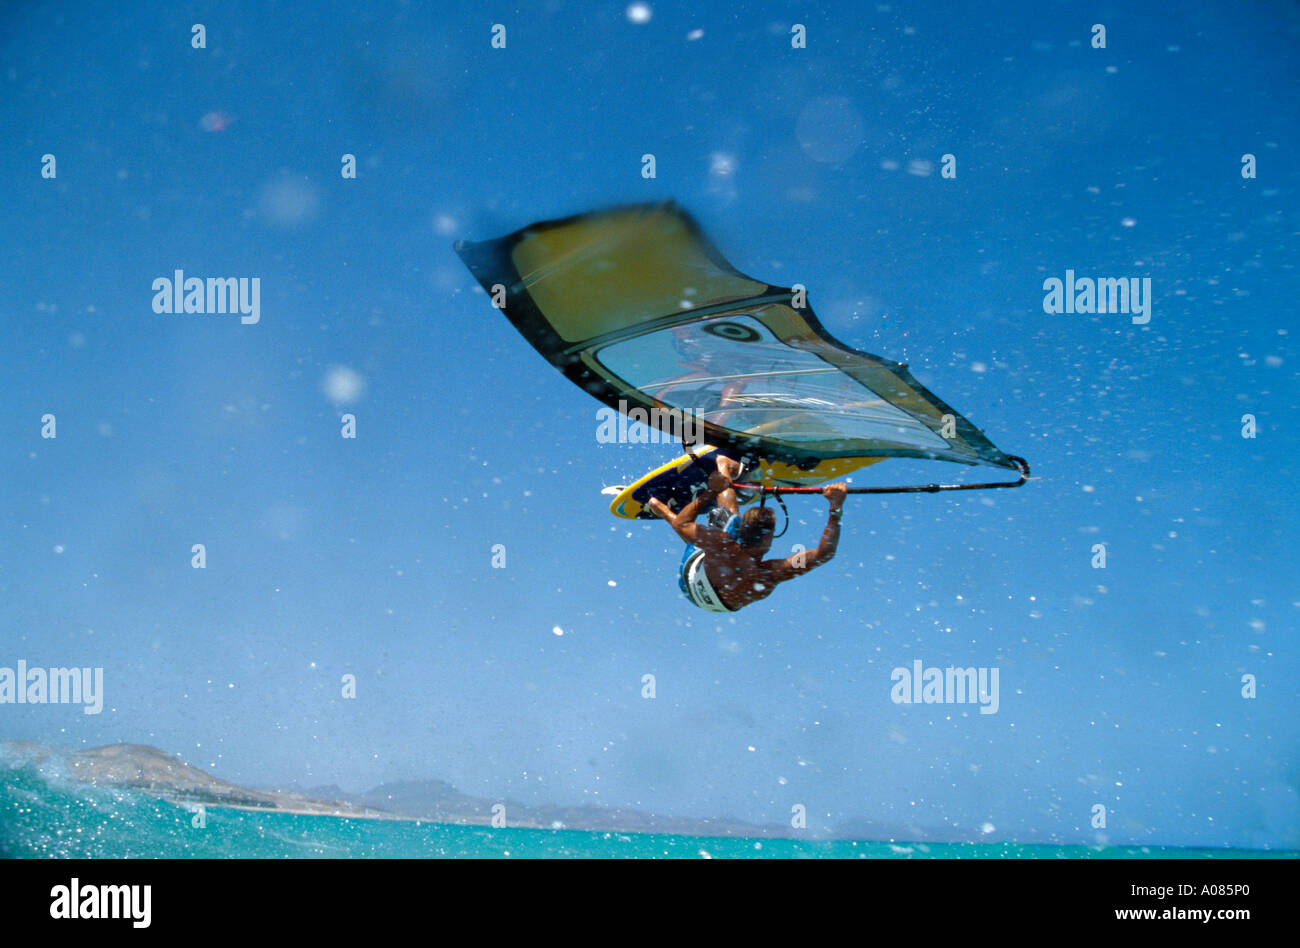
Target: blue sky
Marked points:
372	556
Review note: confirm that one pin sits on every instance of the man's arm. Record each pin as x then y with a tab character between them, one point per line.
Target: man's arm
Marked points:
802	562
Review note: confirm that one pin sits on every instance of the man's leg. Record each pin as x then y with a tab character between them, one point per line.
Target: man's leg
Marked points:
720	492
729	470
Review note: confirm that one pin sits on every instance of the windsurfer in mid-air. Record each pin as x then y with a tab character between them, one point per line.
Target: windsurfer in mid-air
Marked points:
723	569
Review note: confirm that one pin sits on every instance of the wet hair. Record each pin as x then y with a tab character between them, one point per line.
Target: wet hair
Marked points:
754	523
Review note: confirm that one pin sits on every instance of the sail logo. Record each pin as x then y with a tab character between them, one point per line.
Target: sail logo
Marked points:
23	685
637	425
921	685
75	900
1100	296
215	296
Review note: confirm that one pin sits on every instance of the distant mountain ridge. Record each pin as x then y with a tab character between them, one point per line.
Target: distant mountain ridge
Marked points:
149	770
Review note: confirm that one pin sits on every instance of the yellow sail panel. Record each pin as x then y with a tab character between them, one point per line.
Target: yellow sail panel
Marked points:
598	274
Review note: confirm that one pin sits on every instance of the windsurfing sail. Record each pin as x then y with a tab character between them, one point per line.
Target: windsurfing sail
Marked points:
636	305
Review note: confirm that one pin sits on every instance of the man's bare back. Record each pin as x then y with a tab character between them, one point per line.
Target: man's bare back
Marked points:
736	570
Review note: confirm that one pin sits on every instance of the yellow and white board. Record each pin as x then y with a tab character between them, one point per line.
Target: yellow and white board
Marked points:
676	482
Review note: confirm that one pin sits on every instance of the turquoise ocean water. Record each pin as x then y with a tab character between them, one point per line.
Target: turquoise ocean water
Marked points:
41	817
